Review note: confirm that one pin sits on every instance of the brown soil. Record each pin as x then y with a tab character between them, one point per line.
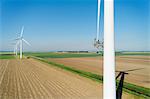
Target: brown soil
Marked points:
139	77
31	79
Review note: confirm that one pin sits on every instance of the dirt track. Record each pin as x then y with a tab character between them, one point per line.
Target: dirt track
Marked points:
30	79
139	77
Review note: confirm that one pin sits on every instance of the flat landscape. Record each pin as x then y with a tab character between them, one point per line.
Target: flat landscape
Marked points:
28	79
31	79
140	76
55	49
68	75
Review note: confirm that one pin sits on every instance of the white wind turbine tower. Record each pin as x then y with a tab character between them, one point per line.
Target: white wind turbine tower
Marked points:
15	49
20	41
109	85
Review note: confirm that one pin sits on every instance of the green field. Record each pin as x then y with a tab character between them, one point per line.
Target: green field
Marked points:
133	53
128	87
6	55
1	53
73	55
61	55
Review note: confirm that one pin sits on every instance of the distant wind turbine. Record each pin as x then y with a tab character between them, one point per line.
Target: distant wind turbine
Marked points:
20	41
16	48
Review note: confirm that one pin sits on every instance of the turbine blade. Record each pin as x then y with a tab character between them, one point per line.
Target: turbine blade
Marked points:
22	31
118	75
26	42
130	70
98	20
134	69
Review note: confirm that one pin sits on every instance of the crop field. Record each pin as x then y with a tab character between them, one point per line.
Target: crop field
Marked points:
134	53
35	79
74	55
136	61
6	56
61	55
32	79
94	64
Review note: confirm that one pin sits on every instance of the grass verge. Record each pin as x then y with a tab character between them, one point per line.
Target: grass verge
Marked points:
61	55
128	87
2	56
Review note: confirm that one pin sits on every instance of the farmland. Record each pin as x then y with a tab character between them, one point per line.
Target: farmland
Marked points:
92	62
60	55
31	79
6	56
48	76
126	61
123	63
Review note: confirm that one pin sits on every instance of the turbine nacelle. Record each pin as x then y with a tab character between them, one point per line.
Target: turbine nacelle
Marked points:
98	44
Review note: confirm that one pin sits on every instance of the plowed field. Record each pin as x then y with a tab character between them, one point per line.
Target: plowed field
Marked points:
141	76
31	79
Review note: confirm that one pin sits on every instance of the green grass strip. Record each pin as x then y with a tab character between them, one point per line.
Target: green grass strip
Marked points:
7	56
136	90
128	87
61	55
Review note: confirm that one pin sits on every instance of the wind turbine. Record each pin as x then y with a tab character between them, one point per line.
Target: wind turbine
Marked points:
16	48
109	87
109	84
20	41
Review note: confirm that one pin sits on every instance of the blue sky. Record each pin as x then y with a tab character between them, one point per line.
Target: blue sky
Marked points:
71	24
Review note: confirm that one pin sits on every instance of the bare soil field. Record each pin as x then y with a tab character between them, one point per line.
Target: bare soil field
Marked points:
94	64
31	79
